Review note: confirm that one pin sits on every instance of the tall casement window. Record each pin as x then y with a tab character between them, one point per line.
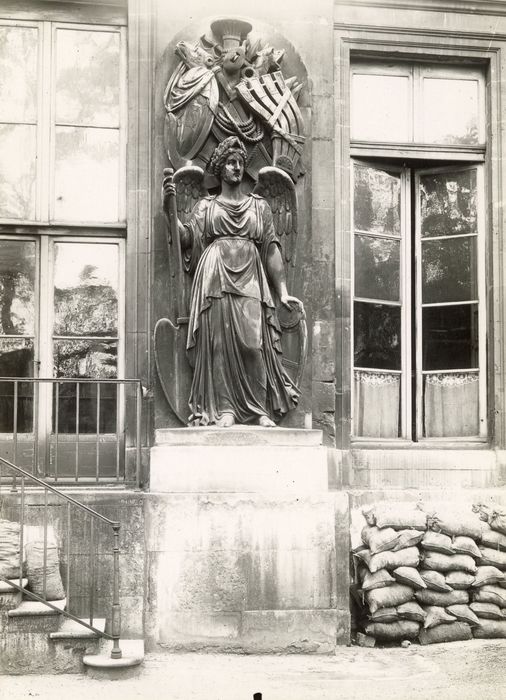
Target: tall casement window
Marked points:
418	229
62	216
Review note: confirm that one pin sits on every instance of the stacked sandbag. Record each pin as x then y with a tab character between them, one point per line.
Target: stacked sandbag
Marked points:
9	549
489	589
449	555
386	567
42	563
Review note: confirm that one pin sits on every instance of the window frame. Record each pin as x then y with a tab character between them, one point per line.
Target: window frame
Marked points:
46	123
371	42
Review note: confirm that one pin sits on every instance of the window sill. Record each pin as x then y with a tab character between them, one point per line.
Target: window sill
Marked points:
430	444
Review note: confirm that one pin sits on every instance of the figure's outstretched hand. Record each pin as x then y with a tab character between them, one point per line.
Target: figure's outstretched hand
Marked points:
289	302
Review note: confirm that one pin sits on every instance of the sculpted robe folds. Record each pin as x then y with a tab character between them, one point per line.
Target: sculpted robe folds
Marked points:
233	333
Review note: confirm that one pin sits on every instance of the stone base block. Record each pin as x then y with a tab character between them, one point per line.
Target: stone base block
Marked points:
247	572
258	468
255	631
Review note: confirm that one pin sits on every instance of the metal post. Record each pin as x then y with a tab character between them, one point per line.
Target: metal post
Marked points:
15	435
116	607
138	429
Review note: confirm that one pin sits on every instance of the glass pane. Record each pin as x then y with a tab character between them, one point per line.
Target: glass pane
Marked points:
377	336
17	287
86	289
450	403
95	359
18	145
377	268
16	410
18	74
86	174
377	404
380	108
16	357
450	111
90	402
449	270
16	360
87	77
450	337
448	203
376	201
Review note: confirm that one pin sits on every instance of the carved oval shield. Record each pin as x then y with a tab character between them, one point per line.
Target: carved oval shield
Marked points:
192	104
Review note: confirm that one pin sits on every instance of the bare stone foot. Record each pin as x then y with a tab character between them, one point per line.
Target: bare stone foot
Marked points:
226	420
266	422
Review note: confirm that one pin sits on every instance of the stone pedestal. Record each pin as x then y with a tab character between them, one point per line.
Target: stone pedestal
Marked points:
247	549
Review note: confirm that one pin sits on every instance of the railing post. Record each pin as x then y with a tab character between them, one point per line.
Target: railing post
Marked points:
116	607
138	430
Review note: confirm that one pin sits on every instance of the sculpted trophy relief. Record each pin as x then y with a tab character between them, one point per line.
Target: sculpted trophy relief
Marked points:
235	352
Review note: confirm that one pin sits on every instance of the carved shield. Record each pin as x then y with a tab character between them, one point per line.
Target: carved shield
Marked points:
293	342
192	103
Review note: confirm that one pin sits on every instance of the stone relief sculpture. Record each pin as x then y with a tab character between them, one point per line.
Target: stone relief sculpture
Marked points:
234	128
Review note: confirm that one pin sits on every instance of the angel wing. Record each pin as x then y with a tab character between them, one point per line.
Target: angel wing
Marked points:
189	182
278	189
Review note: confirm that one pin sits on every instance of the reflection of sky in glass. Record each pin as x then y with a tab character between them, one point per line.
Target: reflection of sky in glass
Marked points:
78	264
450	111
86	174
380	108
17	171
18	74
87	77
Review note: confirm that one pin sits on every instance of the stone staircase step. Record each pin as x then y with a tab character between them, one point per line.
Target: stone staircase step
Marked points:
73	630
101	666
5	587
32	616
33	607
10	597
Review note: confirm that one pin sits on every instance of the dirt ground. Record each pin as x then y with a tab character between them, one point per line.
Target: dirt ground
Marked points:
473	670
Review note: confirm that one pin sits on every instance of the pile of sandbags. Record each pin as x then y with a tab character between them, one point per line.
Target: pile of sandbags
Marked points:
386	568
429	574
489	596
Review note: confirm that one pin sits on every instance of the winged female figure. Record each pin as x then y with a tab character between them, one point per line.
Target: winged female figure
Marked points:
231	248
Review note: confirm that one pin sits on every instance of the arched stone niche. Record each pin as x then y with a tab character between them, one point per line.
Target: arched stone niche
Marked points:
164	286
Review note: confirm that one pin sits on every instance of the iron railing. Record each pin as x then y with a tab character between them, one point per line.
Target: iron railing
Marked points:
68	430
76	529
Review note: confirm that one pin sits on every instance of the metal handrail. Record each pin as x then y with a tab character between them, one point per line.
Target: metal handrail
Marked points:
115	526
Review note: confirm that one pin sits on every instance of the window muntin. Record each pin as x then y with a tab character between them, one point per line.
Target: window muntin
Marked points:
63	137
417	103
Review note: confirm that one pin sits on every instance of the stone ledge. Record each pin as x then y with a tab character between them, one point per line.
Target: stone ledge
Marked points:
240	435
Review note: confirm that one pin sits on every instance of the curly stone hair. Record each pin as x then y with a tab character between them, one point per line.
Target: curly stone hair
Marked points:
232	144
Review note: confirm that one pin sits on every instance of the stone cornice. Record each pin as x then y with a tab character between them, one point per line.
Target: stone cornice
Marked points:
473	7
439	33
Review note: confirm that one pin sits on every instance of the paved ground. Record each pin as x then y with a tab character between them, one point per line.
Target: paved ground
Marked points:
474	670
